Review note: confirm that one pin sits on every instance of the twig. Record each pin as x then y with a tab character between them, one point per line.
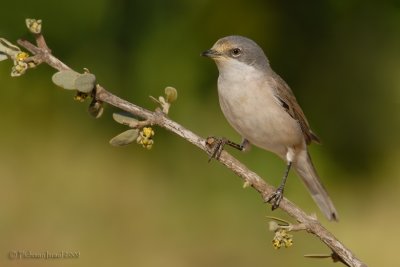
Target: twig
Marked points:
43	55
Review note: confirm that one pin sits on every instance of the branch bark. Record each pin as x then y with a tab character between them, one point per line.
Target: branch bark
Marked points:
42	54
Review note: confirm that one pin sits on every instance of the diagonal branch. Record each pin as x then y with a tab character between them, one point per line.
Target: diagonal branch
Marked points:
340	253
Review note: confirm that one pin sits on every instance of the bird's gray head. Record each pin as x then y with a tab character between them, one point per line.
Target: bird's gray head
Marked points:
236	48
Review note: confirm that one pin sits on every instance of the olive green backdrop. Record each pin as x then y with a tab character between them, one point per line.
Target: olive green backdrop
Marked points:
64	188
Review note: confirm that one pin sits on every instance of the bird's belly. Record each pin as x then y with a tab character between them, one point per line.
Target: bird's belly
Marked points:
260	119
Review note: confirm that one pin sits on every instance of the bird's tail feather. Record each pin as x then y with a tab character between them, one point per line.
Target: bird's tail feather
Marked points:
305	169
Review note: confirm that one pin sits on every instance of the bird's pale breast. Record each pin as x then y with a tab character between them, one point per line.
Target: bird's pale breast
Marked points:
249	105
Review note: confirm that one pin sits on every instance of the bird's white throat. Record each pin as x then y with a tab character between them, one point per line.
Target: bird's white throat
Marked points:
237	71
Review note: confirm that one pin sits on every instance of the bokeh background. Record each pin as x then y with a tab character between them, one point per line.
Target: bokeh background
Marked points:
64	188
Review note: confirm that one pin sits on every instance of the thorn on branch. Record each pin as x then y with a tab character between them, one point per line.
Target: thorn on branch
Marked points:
246	184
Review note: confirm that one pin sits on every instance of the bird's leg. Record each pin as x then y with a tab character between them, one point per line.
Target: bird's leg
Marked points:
217	145
276	197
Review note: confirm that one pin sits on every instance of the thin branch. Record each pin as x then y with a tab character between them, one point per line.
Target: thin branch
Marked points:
311	224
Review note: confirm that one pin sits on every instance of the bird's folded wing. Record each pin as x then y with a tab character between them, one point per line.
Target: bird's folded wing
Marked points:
288	101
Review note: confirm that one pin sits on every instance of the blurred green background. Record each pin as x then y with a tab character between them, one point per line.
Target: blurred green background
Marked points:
64	188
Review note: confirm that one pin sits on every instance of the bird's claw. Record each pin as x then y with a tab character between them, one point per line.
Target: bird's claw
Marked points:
275	198
216	146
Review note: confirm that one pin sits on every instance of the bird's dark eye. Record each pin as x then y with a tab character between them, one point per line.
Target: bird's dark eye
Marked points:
235	52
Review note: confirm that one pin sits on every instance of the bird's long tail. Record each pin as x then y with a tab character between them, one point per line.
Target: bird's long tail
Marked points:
305	169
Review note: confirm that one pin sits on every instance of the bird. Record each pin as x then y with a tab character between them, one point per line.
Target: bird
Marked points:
262	108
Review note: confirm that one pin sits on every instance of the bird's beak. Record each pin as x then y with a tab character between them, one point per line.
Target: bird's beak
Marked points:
211	53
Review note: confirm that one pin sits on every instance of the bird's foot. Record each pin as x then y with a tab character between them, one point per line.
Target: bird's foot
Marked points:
276	197
216	146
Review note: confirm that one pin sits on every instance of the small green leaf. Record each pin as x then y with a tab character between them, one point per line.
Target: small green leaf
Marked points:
171	93
125	138
8	48
125	120
65	79
85	82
